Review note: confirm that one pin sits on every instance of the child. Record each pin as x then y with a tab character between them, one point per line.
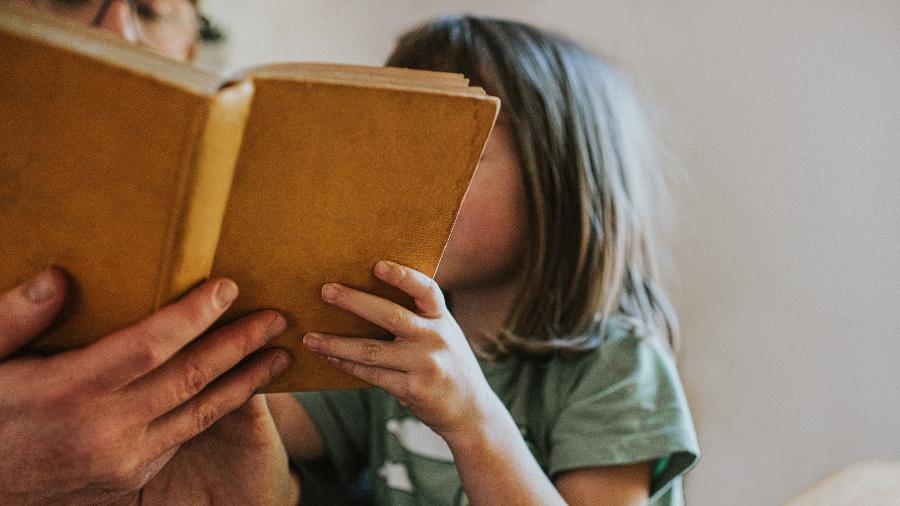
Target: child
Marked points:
551	273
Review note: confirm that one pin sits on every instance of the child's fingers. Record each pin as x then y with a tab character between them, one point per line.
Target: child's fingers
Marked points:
392	381
428	296
386	354
388	315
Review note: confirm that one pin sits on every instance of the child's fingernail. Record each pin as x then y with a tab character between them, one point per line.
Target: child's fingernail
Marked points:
40	288
334	360
329	292
311	341
382	268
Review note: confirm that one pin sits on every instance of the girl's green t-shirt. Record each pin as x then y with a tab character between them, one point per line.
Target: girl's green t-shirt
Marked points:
622	403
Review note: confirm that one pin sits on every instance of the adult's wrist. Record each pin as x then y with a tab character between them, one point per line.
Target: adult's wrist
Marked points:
133	499
294	490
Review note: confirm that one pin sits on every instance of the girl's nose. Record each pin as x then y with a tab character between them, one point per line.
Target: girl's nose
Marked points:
119	19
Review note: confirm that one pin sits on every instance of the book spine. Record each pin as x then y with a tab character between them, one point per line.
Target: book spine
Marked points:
196	233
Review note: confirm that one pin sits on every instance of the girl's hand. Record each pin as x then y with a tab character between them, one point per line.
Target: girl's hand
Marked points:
429	366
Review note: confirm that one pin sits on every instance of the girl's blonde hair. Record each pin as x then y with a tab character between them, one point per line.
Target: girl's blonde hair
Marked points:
591	177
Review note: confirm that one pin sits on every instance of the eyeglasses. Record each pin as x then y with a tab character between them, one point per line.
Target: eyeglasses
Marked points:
156	23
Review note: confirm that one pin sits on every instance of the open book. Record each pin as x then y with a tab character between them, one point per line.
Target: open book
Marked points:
141	177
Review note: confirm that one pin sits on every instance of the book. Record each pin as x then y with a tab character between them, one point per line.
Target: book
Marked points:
142	176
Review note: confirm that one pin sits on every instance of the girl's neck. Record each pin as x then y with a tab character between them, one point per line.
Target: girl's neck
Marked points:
482	310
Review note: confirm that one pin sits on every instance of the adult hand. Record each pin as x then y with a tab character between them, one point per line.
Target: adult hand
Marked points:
239	460
93	425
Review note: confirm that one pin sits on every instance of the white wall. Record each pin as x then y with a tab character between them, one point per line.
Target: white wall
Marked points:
785	119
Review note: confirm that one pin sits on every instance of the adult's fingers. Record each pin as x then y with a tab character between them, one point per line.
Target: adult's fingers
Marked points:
191	370
130	353
247	423
390	354
425	291
28	309
387	314
223	396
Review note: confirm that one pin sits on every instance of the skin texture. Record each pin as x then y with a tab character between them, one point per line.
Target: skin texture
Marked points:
131	411
95	425
485	247
430	366
140	415
243	449
171	31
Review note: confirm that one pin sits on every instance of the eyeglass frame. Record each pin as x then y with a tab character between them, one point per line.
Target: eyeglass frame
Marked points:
132	5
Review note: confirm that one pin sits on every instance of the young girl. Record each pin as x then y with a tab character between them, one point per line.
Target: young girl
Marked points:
550	271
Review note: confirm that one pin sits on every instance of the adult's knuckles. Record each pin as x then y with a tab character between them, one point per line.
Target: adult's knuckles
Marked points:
243	336
101	453
203	416
125	474
194	379
148	352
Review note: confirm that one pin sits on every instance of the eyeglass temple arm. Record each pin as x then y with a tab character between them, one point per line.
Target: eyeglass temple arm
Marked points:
101	13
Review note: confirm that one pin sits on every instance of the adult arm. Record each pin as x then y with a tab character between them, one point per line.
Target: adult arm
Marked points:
96	424
239	460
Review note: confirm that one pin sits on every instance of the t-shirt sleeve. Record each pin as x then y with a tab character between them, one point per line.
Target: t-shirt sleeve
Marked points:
626	406
342	419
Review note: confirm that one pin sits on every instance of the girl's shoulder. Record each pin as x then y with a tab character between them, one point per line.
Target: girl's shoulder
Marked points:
621	402
629	367
627	347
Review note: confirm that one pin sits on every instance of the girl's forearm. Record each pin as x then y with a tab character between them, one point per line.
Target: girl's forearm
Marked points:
495	465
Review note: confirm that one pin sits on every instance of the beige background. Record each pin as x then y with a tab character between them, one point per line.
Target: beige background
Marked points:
785	120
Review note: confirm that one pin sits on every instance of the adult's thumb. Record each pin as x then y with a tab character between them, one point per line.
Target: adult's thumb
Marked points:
26	310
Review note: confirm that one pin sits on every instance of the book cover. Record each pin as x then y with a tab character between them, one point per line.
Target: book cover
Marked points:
141	177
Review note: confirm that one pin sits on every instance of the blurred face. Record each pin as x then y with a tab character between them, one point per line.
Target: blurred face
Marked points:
488	239
167	27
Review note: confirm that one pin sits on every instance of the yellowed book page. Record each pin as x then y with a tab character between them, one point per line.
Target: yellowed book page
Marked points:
368	76
387	73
